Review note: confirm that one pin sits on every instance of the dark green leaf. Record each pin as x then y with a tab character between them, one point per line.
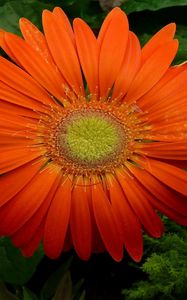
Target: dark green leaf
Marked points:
138	5
5	294
12	11
28	295
83	296
64	290
14	268
77	290
51	284
181	35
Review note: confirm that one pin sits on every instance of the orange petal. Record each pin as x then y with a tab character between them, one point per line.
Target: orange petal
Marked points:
29	249
128	221
44	72
19	80
130	66
112	51
68	244
14	127
171	85
64	21
173	215
35	38
171	201
55	231
106	222
97	243
9	137
9	141
63	50
152	70
88	53
9	187
22	207
80	222
160	38
12	96
177	163
171	111
168	174
165	129
112	14
14	158
12	109
5	47
25	234
140	204
176	151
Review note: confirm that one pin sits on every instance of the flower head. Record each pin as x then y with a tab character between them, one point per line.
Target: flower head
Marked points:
93	136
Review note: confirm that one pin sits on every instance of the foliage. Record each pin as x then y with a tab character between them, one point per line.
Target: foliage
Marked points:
139	5
52	282
166	268
15	268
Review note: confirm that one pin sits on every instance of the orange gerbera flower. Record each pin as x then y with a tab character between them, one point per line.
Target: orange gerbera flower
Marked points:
93	136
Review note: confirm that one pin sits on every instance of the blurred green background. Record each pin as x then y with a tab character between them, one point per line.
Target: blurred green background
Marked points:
162	273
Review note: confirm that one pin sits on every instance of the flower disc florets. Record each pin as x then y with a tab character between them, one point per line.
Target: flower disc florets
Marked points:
91	137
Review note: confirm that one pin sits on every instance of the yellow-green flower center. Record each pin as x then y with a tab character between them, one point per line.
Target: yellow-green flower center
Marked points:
90	137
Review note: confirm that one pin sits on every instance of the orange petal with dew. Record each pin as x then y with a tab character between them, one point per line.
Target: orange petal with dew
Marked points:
19	80
10	95
35	38
44	72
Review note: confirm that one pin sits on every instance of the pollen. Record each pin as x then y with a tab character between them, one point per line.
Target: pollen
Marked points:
91	137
